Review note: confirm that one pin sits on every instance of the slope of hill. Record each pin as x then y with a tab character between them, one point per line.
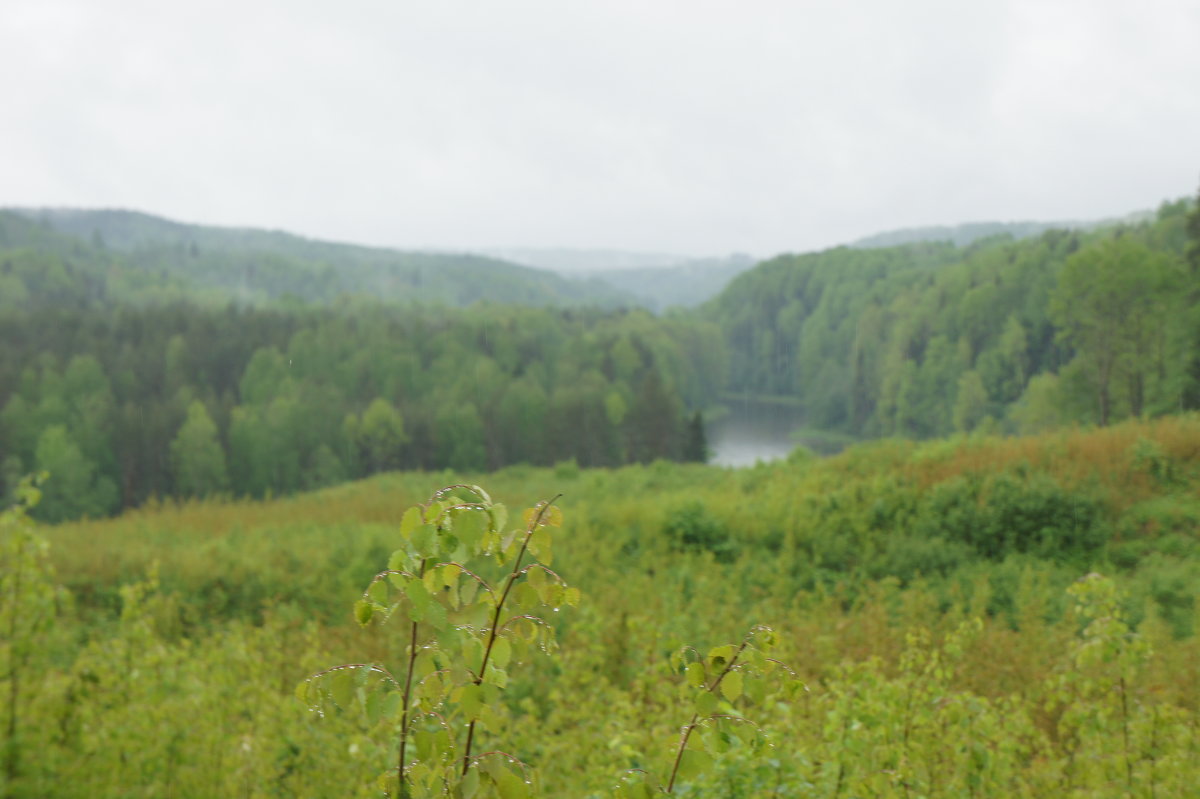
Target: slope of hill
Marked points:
971	232
927	338
257	266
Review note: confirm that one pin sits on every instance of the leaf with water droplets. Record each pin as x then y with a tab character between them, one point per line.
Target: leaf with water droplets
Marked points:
341	686
731	686
510	786
469	528
499	515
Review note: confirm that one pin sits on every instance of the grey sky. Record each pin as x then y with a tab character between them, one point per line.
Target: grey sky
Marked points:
694	127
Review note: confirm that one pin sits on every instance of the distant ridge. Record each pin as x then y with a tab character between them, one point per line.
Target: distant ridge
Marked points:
970	232
253	266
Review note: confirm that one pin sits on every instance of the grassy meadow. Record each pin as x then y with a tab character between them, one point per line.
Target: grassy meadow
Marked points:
975	616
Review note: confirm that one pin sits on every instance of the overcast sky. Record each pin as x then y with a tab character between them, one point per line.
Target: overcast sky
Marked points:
679	126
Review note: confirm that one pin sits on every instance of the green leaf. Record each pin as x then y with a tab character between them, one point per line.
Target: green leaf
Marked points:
695	674
510	786
398	561
501	652
472	649
391	705
718	656
374	707
526	597
377	592
470	700
423	539
731	686
410	521
469	785
693	763
755	691
540	545
341	686
435	616
362	612
499	515
706	704
418	596
425	741
495	676
469	528
467	589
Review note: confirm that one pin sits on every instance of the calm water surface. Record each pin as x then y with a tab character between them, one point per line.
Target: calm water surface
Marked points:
753	431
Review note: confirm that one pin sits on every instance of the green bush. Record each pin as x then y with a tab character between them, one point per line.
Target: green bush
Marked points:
1007	514
690	526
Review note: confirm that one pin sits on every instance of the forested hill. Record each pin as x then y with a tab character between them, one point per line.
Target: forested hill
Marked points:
926	339
964	234
128	370
971	232
83	257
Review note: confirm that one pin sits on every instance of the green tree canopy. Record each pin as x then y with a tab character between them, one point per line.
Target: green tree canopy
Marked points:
73	489
197	460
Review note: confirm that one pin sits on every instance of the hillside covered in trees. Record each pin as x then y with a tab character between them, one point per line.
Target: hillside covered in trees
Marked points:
145	359
83	257
928	339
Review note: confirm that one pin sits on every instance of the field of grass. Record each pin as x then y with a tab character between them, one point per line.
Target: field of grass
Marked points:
964	617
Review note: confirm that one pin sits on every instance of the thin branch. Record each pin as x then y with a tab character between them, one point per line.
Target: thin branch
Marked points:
512	578
691	725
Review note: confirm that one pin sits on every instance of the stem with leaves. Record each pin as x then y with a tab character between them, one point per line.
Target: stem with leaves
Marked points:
454	620
487	652
404	718
687	731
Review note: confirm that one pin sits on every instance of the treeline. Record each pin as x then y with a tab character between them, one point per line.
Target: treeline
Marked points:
82	259
129	403
928	339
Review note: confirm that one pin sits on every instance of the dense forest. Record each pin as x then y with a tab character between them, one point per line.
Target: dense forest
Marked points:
928	339
144	358
184	401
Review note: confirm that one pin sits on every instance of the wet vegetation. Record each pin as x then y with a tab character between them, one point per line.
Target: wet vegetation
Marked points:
993	596
941	604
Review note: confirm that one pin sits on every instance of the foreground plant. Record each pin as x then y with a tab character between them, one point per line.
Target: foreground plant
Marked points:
28	601
472	600
718	684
